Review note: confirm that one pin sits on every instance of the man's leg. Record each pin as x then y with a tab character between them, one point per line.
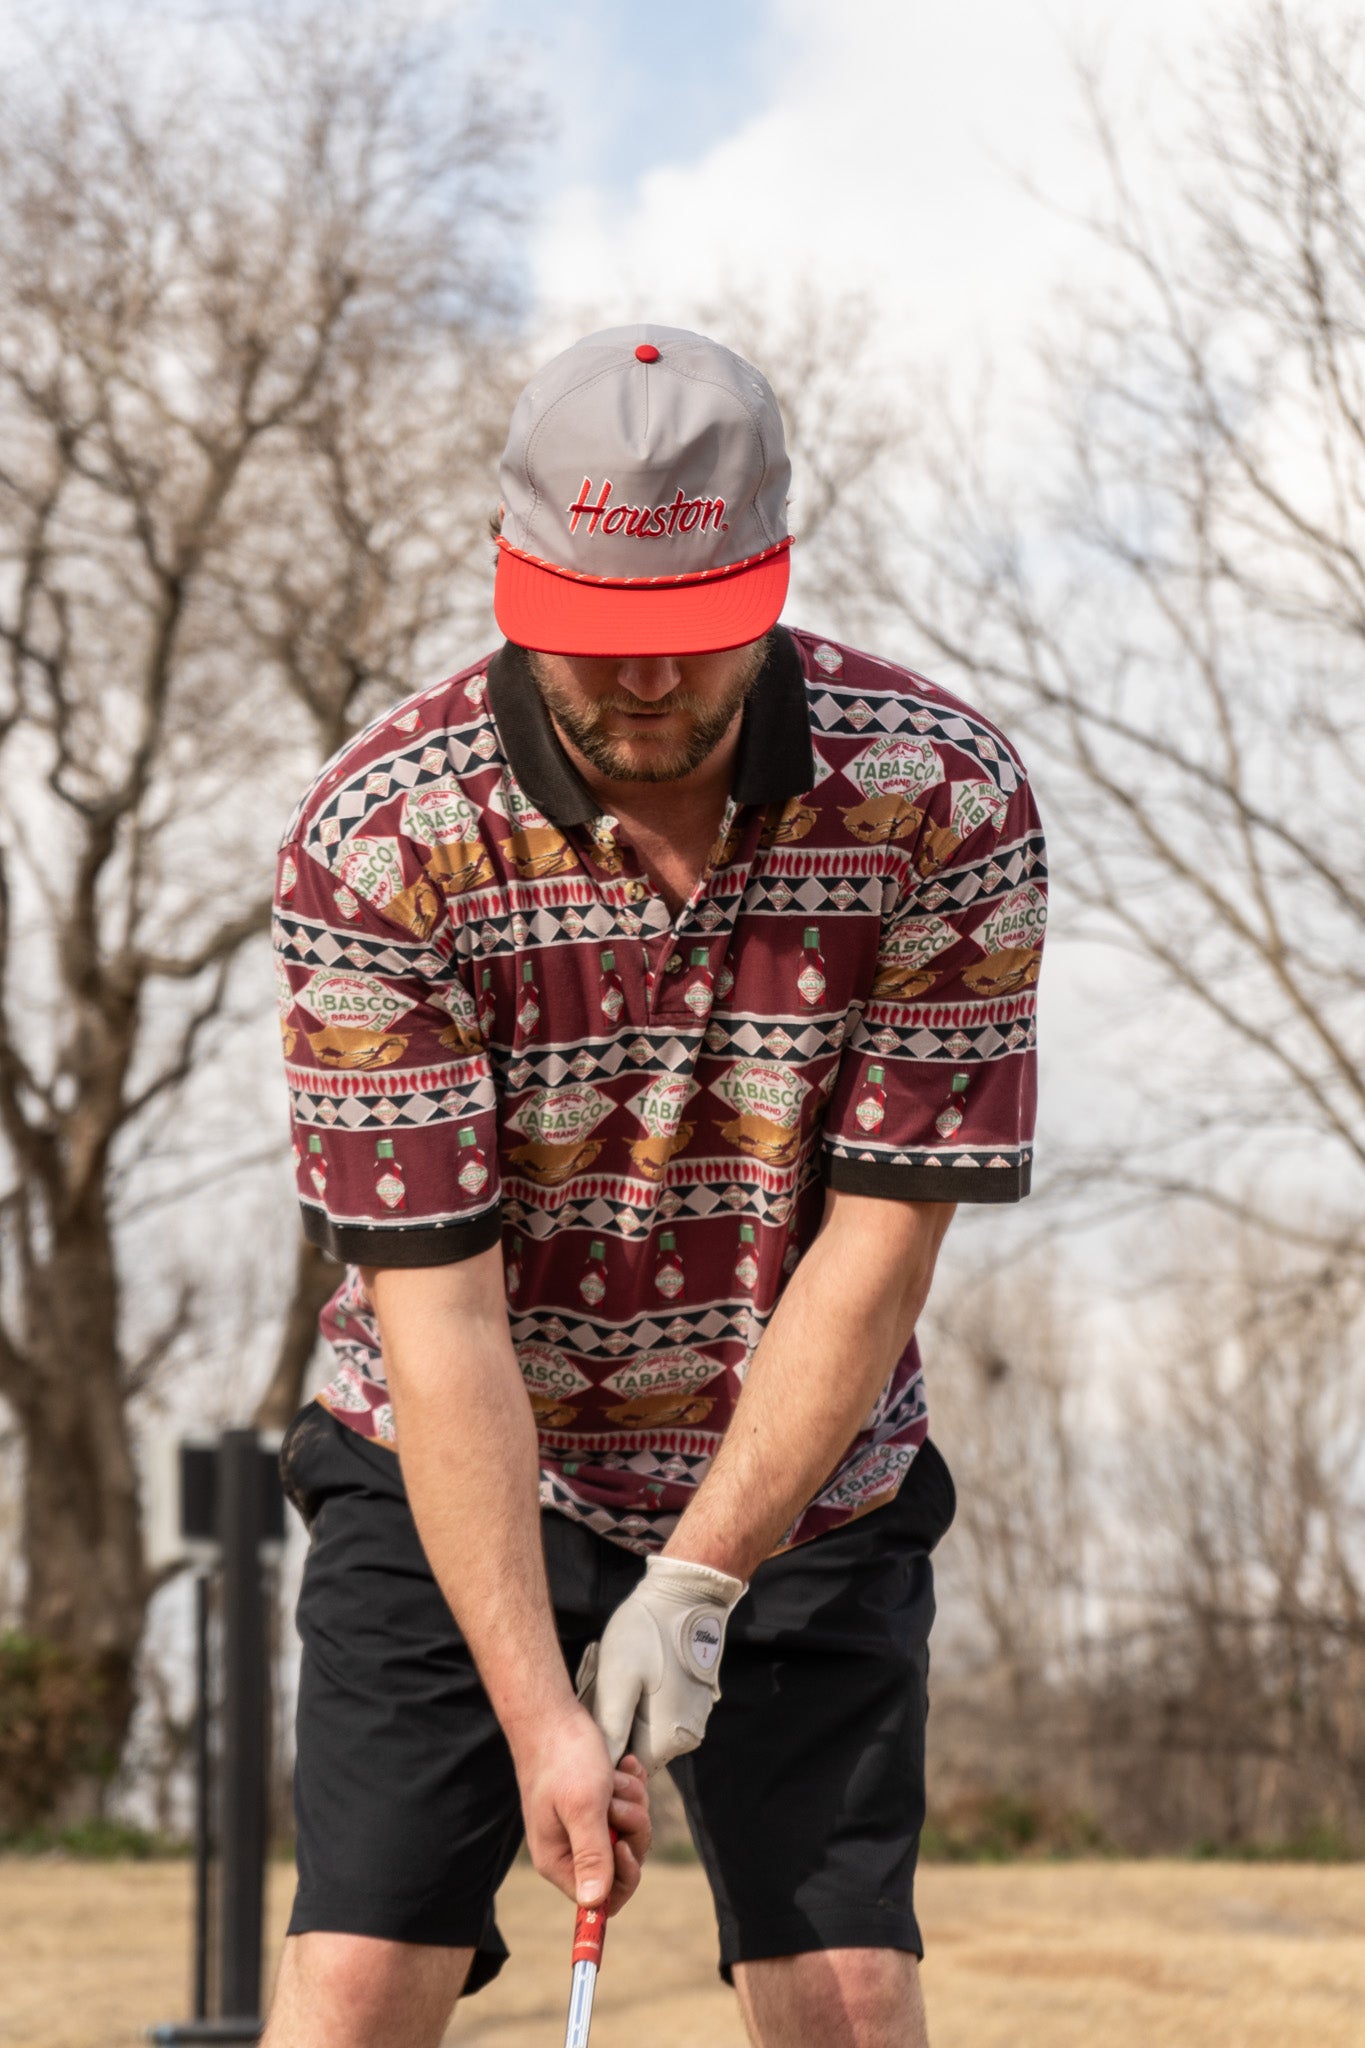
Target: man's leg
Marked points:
840	1997
806	1798
406	1807
351	1991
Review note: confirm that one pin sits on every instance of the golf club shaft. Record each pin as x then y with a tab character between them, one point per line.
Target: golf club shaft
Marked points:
580	2005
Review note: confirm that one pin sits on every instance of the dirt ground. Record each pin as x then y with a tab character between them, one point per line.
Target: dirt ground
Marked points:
1079	1955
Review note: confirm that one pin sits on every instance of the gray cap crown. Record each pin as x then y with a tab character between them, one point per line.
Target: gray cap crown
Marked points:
634	470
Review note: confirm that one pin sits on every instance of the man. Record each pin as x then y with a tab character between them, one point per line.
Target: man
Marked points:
651	993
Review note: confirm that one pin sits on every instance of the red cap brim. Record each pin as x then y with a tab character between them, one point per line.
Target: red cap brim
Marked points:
558	615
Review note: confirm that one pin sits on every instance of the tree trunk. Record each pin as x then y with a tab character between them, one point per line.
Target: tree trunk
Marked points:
87	1589
315	1280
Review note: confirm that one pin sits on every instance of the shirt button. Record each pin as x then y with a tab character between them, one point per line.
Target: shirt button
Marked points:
635	891
675	962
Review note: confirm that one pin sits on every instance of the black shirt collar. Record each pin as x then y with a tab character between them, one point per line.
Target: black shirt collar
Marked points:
775	757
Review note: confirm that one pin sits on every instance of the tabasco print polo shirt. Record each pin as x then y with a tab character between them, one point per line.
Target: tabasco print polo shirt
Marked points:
494	1030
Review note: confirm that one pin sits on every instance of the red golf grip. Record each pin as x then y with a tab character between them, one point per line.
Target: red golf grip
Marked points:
590	1929
589	1933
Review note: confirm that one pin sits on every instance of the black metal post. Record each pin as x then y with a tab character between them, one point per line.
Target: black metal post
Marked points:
245	1743
233	1494
202	1837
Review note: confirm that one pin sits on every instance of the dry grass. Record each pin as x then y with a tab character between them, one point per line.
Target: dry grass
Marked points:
1082	1955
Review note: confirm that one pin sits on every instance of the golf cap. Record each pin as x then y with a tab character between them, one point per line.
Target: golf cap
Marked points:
644	489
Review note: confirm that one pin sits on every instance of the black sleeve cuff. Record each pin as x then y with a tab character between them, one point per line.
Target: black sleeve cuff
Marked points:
927	1183
398	1244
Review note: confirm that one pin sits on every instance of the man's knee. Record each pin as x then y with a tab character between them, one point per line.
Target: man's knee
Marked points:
845	1998
879	1990
356	1991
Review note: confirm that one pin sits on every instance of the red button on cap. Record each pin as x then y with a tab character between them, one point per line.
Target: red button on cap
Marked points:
646	353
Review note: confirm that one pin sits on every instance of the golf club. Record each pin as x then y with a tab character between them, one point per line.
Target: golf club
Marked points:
590	1931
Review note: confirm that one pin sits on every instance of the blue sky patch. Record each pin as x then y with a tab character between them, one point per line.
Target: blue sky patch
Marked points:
633	85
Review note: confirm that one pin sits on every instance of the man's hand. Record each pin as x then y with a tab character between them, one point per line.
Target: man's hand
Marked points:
569	1796
653	1679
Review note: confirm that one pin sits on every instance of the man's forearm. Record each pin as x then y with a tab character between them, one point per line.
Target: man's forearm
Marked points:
468	1447
467	1440
842	1322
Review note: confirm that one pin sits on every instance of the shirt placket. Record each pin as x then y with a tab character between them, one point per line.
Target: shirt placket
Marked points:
674	979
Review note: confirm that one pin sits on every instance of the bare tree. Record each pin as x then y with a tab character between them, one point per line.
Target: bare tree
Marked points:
254	366
1007	1401
1174	1646
1153	1596
1167	608
1022	1573
1229	1709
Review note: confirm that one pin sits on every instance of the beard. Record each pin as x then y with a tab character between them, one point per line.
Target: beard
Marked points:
706	723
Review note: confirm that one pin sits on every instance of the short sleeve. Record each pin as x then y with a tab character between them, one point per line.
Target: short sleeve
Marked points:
936	1091
391	1095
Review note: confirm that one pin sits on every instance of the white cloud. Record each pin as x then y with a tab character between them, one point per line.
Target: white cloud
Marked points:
886	163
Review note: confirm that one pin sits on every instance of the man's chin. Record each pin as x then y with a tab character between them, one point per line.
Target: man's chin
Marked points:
626	763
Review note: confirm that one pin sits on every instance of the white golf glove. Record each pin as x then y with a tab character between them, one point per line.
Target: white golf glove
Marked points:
655	1676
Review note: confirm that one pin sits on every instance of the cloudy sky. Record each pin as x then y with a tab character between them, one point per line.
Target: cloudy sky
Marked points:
879	148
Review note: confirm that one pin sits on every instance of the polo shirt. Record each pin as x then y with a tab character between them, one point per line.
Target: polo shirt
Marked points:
495	1030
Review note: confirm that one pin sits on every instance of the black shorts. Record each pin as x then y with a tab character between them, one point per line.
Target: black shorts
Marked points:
806	1799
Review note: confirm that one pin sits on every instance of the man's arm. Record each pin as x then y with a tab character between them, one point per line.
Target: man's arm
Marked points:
843	1319
470	1465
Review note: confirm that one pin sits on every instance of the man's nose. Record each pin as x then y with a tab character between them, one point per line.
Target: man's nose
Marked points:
649	676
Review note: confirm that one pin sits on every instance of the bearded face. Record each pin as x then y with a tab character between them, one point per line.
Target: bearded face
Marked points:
647	719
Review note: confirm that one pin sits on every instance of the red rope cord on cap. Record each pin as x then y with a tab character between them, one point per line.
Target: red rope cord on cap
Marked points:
647	582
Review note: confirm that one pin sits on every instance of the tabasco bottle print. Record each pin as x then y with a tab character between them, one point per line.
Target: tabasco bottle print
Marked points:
872	1103
950	1119
613	996
487	1008
472	1168
746	1265
593	1285
528	1002
668	1274
317	1166
700	988
811	980
389	1186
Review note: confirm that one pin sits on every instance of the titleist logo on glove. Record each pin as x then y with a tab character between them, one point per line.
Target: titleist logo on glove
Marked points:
652	1681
